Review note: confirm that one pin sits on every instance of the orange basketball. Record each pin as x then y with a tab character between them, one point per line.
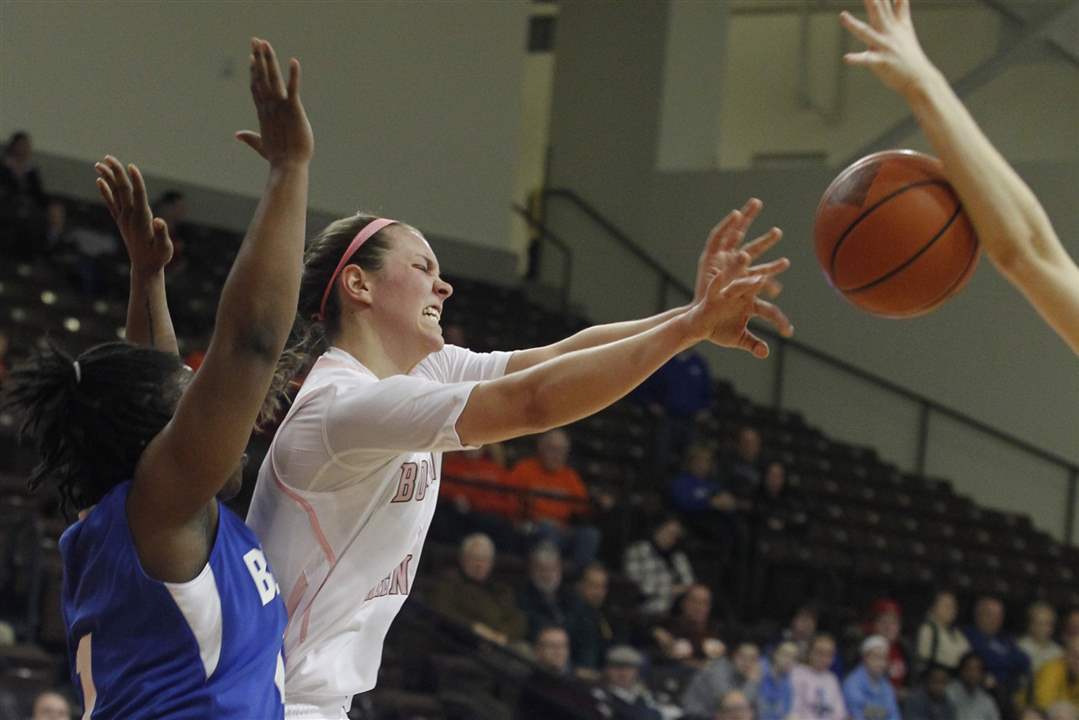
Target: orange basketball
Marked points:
892	236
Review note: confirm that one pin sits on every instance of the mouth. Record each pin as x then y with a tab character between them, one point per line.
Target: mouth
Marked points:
432	312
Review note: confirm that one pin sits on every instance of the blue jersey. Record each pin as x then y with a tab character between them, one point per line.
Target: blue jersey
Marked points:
142	648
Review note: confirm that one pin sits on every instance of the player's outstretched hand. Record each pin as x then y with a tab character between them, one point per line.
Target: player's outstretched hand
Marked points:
724	243
731	300
893	53
146	238
284	136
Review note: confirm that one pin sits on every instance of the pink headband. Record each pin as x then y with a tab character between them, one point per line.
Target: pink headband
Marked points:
361	237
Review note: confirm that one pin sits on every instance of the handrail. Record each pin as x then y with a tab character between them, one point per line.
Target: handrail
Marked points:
926	403
567	253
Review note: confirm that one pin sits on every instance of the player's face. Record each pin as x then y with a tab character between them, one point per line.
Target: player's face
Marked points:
409	295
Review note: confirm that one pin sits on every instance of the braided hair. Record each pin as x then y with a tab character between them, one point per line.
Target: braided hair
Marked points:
311	336
89	420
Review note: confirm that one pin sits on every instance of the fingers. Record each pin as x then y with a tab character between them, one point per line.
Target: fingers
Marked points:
867	58
161	230
722	238
750	211
122	189
262	72
106	194
873	10
138	186
773	288
293	78
861	30
902	9
743	287
273	71
764	243
252	139
753	344
772	313
771	268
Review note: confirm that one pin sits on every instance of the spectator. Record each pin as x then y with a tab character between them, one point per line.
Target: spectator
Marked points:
802	630
970	700
929	701
704	694
1038	642
775	502
887	622
735	706
1005	663
51	705
693	491
622	686
868	691
939	640
22	198
660	570
680	394
817	695
691	636
542	599
56	231
563	496
469	595
476	497
551	690
775	696
744	469
1058	680
591	630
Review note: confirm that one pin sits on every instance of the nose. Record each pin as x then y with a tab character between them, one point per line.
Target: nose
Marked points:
443	288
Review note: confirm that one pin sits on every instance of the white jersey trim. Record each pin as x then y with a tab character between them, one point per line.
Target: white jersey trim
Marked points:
200	604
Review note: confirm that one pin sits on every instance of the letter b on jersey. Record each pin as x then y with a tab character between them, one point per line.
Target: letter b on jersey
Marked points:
260	573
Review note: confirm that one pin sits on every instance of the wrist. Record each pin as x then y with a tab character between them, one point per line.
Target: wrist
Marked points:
920	91
145	276
289	166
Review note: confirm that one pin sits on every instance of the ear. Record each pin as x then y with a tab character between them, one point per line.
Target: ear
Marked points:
357	285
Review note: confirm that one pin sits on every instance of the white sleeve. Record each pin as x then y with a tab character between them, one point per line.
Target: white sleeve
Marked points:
454	364
398	414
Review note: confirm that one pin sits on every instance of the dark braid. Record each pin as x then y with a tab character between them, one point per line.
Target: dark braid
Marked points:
311	337
90	429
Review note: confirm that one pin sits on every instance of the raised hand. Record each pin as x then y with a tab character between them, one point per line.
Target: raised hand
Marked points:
146	238
731	300
894	54
725	242
284	135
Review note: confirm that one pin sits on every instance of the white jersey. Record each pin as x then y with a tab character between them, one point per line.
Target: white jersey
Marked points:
343	502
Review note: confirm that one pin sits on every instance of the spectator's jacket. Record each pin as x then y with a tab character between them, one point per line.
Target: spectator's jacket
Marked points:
972	705
1039	653
941	645
683	386
656	574
869	698
692	494
542	610
590	632
480	499
469	602
1054	684
704	692
627	704
1004	660
919	706
817	695
775	696
529	474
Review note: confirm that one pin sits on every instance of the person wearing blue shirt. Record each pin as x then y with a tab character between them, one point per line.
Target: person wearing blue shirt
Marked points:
775	695
679	393
867	691
1004	660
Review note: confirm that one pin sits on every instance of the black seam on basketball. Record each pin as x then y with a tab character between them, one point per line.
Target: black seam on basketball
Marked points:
892	273
865	213
955	283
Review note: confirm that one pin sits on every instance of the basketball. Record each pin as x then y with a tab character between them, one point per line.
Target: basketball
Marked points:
892	236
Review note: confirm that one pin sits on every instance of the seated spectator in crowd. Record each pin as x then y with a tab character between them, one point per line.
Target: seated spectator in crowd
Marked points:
542	599
1005	663
694	491
552	689
476	497
704	693
775	695
735	706
817	695
1038	642
57	236
622	691
775	502
801	631
51	705
690	636
562	497
967	694
591	629
22	198
868	691
929	701
469	595
886	620
660	570
680	395
940	642
1058	680
743	471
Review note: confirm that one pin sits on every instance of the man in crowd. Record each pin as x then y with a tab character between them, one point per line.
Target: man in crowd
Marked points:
591	629
660	570
967	693
542	599
929	701
743	471
1005	663
622	689
690	636
742	672
868	691
1038	643
469	595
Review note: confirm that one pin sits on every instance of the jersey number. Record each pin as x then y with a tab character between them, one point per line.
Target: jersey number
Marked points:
86	676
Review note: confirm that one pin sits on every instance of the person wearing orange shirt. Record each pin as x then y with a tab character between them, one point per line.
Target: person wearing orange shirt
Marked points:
553	495
476	497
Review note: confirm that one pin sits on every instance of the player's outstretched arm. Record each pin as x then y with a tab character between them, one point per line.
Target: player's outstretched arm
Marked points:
720	251
577	384
189	461
149	249
1011	223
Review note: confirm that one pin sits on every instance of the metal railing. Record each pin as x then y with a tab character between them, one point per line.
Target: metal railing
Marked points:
927	406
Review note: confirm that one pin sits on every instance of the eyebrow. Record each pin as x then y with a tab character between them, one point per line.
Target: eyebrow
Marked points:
429	260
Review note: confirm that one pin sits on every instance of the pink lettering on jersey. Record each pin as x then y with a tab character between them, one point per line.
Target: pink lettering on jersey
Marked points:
395	583
414	480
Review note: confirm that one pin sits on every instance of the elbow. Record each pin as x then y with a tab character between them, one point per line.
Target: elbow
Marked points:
260	342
